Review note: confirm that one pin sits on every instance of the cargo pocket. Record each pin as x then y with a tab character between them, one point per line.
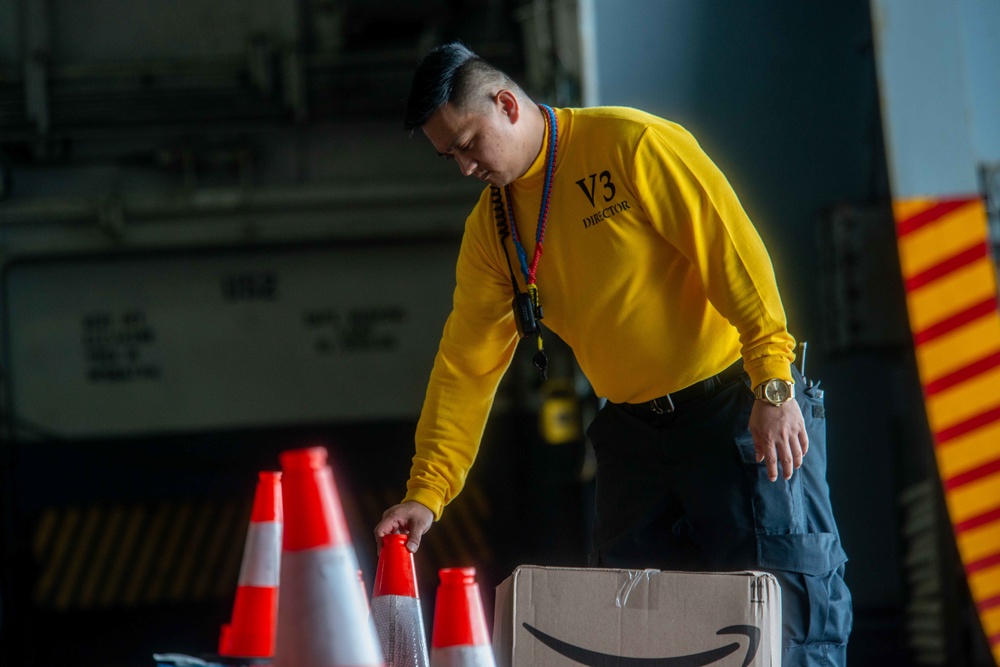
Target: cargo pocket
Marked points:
777	505
815	600
812	401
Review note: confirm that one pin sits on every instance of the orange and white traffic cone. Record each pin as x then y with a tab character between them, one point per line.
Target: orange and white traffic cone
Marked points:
460	638
322	614
396	606
250	634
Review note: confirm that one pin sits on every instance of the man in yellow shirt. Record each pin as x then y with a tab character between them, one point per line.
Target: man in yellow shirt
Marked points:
655	277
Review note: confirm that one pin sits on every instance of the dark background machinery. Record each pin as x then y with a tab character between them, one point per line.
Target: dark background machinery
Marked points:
217	243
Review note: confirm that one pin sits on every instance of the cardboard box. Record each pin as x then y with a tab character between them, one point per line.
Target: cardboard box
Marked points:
547	616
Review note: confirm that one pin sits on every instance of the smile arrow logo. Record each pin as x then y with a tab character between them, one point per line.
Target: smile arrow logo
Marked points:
590	658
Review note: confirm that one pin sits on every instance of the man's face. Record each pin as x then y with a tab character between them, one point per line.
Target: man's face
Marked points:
482	141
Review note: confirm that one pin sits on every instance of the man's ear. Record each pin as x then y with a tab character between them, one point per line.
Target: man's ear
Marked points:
507	101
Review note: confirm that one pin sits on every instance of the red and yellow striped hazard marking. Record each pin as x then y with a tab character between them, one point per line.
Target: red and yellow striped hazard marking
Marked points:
951	295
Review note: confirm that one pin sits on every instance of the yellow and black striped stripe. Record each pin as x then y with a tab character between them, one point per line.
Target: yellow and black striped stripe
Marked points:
99	557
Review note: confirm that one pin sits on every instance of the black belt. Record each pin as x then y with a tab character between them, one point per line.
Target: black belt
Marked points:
670	402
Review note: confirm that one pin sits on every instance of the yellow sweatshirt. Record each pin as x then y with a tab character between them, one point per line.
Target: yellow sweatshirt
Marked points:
651	272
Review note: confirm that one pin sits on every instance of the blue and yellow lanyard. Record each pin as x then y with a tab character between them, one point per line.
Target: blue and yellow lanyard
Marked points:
529	271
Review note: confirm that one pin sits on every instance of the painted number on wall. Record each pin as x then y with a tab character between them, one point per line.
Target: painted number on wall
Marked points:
363	329
116	346
250	286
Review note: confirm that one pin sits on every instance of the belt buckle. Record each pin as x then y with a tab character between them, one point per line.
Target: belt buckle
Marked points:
655	406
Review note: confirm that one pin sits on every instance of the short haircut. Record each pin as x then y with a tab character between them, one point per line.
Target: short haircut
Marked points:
450	73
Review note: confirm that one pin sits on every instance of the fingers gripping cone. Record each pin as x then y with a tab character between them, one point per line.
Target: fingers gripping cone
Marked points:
396	606
251	632
322	613
460	638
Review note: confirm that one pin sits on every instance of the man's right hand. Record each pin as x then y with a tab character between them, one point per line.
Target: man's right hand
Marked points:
410	518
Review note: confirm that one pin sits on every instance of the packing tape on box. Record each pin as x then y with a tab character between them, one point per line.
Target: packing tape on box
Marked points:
630	580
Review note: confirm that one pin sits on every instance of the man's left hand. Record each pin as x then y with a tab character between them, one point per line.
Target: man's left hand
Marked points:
779	435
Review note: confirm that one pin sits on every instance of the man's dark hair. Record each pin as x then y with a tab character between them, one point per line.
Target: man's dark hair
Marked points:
449	73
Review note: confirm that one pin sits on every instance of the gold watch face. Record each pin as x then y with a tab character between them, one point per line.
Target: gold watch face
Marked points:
776	391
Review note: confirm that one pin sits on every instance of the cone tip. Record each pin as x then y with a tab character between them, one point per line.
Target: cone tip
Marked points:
267	501
458	611
457	575
396	573
395	540
309	458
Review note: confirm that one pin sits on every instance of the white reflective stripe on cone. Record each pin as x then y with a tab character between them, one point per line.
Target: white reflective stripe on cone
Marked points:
463	656
400	627
262	554
322	615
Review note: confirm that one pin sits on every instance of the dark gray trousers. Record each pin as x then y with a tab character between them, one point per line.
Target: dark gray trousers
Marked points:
683	491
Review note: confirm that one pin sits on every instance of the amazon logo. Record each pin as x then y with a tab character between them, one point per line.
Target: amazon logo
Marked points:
590	658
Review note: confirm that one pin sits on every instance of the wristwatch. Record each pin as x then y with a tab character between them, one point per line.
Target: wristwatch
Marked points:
775	391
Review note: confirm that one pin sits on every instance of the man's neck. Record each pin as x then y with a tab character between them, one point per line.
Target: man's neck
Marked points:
534	134
538	129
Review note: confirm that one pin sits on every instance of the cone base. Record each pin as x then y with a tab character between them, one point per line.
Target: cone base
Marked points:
251	632
322	616
235	661
463	656
400	628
